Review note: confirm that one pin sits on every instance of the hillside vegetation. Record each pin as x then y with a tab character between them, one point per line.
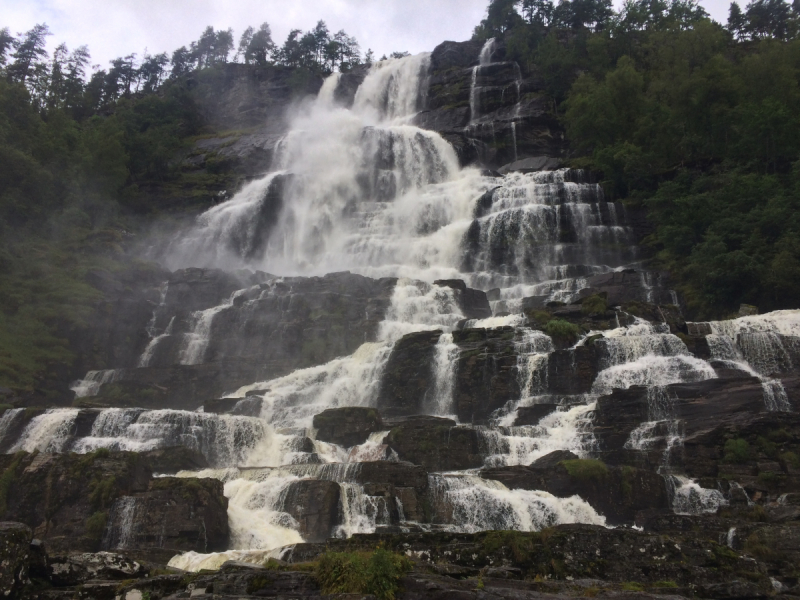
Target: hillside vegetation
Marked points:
695	121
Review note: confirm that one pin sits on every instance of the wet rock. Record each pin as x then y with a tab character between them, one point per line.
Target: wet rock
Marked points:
314	505
66	498
79	568
347	426
349	83
531	165
399	474
473	303
486	375
173	459
618	493
531	415
174	515
220	405
271	328
436	444
622	287
408	375
15	540
573	371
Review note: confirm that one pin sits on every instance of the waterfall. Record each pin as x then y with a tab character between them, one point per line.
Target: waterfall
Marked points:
445	366
755	345
197	340
470	504
119	532
92	382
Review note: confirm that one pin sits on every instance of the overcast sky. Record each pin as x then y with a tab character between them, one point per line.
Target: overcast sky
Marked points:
113	28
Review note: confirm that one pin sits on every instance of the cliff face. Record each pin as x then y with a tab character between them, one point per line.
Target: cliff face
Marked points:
497	360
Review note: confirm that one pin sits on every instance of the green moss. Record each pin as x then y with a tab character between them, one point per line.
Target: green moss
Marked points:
96	525
632	586
376	573
586	469
737	451
791	459
628	477
102	491
665	584
521	545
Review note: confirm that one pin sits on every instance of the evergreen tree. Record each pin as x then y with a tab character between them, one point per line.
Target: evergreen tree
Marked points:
28	51
736	21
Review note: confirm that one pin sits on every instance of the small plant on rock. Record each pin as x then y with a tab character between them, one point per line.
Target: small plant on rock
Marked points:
586	469
594	305
563	331
737	451
377	573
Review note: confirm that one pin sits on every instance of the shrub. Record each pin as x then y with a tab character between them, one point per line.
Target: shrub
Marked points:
562	330
586	469
376	573
96	525
736	451
594	304
791	459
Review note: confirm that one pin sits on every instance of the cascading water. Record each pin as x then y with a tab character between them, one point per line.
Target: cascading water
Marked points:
365	191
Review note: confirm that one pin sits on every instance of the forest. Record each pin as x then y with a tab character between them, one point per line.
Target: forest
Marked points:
694	121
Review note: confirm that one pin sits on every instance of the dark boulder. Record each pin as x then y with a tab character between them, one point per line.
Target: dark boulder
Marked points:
473	303
436	444
408	375
170	460
314	504
347	426
348	85
531	415
220	406
486	377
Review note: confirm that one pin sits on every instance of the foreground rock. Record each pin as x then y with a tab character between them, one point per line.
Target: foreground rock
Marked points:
15	541
566	561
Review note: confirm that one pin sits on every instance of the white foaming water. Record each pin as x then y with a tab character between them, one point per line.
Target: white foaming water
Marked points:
567	429
370	451
445	365
688	498
653	370
195	561
48	432
223	439
293	400
196	342
90	385
119	533
477	504
150	349
360	513
364	191
756	339
6	421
